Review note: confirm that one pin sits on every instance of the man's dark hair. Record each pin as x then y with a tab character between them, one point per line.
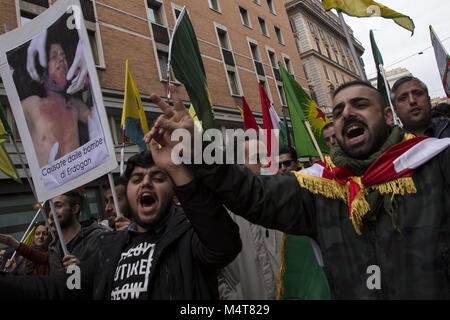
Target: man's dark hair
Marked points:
121	181
75	198
287	149
143	160
328	125
354	83
403	80
441	110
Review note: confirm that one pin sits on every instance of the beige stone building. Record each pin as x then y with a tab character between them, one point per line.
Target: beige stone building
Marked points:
240	41
392	76
323	48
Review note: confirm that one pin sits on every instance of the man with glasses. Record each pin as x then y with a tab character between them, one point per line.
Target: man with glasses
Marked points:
287	159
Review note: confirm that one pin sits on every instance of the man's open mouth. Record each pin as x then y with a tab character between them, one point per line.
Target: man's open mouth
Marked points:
354	130
147	201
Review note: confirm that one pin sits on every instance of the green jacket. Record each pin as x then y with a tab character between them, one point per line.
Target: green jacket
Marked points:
413	263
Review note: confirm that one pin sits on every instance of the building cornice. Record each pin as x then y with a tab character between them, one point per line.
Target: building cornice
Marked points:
314	53
308	7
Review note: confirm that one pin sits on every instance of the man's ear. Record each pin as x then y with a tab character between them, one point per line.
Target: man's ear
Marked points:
389	116
76	209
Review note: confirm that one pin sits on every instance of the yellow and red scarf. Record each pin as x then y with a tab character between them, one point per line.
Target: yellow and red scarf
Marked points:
391	173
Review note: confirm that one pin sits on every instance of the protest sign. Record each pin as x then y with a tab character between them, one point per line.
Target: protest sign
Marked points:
52	85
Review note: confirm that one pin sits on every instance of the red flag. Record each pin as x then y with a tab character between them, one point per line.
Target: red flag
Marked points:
267	121
249	119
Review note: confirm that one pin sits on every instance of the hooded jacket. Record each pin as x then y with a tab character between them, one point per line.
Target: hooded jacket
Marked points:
197	240
82	246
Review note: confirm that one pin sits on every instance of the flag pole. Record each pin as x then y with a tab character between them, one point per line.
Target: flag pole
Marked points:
122	151
352	47
396	122
311	134
25	234
114	194
11	139
58	228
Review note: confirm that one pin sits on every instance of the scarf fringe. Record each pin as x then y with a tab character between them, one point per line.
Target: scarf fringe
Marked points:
317	185
360	207
398	186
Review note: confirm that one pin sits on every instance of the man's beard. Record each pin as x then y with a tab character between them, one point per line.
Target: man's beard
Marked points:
376	137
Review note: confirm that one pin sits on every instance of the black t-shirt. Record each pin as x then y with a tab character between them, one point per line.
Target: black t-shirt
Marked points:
133	269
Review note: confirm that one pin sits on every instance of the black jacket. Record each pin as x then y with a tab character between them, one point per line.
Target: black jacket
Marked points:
414	263
198	239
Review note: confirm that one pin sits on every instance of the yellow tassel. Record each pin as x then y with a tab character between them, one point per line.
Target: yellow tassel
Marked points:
317	185
360	207
280	289
398	186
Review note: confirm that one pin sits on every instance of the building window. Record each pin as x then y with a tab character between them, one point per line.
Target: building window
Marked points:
343	78
313	29
328	51
282	96
233	83
154	10
225	46
262	25
177	12
257	2
257	60
244	17
325	71
287	63
336	78
214	5
279	35
318	46
322	35
272	58
163	58
270	5
297	43
255	51
223	39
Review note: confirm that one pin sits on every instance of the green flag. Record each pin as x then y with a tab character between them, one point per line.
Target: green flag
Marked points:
301	276
6	165
301	108
187	65
379	60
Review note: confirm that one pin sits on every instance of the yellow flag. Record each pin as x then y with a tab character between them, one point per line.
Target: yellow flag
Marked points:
30	237
369	8
133	115
195	118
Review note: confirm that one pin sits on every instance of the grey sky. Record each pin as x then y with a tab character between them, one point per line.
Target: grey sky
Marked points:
396	44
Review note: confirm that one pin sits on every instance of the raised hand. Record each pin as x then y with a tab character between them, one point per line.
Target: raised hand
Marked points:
9	241
170	120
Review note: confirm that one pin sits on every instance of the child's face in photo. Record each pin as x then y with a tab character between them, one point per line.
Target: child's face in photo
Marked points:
57	67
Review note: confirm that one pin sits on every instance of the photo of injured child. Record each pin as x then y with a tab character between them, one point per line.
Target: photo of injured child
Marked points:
50	75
